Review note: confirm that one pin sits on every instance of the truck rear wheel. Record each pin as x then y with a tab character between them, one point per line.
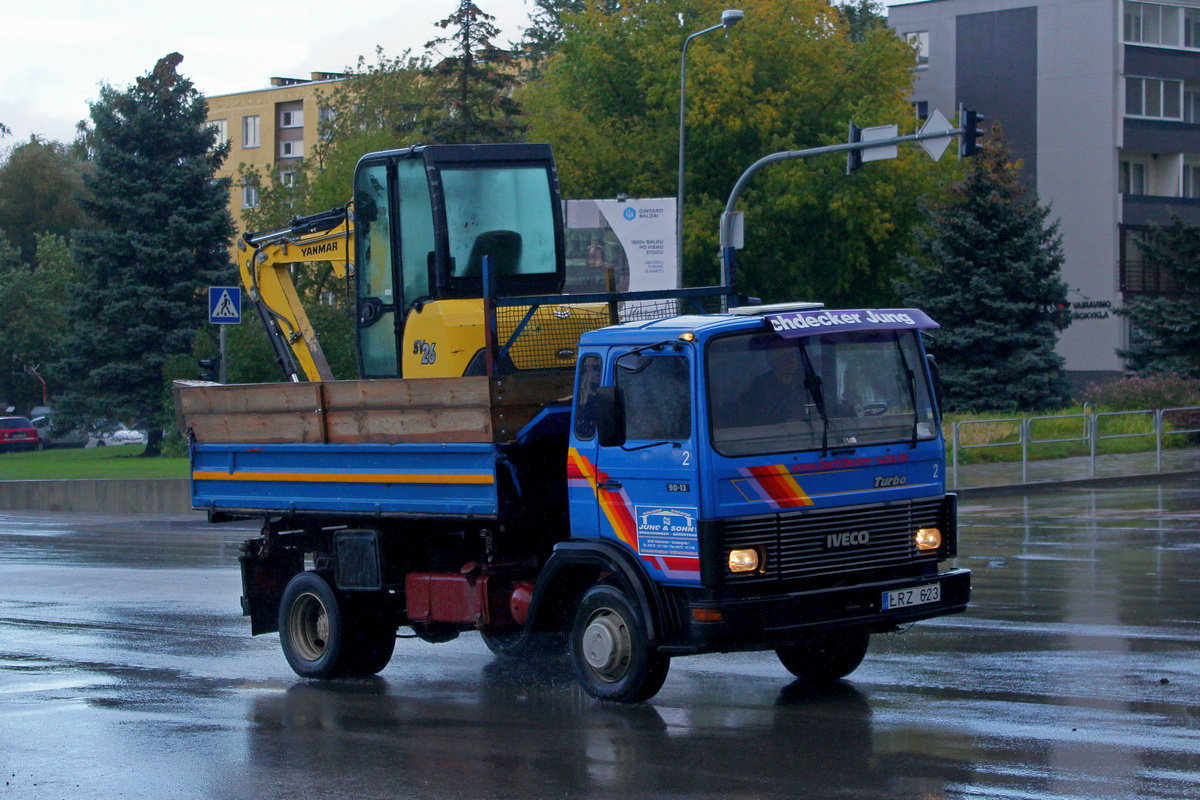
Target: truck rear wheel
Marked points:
610	652
327	636
825	657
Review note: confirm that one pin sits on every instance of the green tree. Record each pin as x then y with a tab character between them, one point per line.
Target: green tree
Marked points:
34	320
1165	331
162	233
862	17
473	84
380	106
788	77
989	271
40	182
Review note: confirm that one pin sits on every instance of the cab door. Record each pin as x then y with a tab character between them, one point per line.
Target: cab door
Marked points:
648	488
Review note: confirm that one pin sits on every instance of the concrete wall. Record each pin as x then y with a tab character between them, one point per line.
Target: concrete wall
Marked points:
163	496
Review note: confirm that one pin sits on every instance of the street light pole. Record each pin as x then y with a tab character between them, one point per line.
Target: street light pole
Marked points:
729	18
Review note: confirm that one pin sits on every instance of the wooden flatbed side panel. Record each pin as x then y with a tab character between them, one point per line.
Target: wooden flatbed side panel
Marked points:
387	411
263	412
395	411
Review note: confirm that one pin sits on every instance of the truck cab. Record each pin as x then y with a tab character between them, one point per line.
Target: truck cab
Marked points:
776	472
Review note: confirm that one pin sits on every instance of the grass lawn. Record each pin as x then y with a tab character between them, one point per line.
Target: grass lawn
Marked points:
97	462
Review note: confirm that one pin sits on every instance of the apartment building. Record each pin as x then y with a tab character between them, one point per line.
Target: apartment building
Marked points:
1101	100
276	125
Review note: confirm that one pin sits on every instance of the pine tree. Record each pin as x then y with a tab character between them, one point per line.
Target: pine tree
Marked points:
162	229
473	99
1165	331
989	271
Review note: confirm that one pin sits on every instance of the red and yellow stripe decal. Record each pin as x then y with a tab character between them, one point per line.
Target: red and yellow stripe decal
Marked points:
615	505
478	479
776	485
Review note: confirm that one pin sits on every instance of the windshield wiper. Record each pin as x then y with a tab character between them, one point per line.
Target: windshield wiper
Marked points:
812	382
912	387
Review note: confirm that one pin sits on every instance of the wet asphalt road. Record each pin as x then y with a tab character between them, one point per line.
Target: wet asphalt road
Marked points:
126	671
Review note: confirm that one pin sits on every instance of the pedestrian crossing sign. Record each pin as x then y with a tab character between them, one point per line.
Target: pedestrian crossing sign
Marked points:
224	305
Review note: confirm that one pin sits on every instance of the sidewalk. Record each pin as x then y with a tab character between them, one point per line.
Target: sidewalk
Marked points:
1114	467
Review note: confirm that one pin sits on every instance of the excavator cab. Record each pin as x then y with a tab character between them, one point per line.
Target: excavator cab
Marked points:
425	219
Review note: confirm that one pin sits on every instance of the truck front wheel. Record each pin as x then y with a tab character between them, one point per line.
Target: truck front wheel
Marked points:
610	652
825	657
326	636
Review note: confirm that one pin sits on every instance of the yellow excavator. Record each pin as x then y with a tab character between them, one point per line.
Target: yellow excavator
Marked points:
434	240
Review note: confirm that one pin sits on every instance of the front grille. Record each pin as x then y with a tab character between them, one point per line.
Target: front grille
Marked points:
807	544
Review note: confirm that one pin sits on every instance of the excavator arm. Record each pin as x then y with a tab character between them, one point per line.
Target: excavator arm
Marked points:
265	267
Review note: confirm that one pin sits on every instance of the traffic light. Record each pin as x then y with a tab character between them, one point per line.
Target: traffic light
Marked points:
854	158
972	129
212	369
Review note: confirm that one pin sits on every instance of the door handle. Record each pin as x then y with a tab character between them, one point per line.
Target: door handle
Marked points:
609	486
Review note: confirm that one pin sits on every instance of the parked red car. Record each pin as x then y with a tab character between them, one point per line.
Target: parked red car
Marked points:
17	433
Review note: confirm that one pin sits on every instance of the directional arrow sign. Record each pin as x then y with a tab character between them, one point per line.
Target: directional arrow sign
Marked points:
936	123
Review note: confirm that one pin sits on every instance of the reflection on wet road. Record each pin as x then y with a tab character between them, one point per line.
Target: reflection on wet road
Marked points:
126	670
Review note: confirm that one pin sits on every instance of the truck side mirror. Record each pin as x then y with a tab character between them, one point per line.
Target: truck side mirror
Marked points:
610	416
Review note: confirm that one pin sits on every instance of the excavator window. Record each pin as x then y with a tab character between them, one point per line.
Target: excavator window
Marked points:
376	292
506	213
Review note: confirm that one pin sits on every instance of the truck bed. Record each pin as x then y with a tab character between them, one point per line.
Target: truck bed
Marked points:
393	447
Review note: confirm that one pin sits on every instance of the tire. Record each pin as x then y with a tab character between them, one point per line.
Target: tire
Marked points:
371	637
324	635
610	652
825	657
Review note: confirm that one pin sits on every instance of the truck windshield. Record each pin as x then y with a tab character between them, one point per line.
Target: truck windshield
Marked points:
768	394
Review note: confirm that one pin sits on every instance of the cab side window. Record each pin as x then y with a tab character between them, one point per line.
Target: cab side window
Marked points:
586	384
657	392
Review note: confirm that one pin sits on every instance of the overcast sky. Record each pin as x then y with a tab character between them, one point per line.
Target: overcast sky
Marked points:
54	54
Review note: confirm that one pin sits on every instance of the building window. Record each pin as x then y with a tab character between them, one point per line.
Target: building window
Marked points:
1136	276
249	196
1132	178
1165	25
1150	23
921	110
291	149
221	127
919	41
1191	180
291	119
288	178
250	131
1155	98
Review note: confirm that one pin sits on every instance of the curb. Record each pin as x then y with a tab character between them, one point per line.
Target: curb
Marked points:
1045	487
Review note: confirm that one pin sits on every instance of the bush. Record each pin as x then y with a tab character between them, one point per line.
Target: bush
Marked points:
1164	390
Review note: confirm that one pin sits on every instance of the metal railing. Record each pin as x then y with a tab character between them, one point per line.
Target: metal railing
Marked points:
1021	432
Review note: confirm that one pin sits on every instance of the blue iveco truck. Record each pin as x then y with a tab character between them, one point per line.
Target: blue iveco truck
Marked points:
665	482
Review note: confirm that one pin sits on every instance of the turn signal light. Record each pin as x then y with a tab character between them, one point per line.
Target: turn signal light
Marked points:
743	560
928	538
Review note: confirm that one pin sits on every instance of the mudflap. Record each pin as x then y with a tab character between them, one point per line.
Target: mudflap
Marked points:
265	573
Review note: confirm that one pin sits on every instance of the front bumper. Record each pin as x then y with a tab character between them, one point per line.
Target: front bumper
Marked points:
766	622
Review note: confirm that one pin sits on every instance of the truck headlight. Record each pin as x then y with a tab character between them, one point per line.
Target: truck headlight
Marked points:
743	560
928	538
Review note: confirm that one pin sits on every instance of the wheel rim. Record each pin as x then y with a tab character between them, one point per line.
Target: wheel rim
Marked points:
308	627
607	645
